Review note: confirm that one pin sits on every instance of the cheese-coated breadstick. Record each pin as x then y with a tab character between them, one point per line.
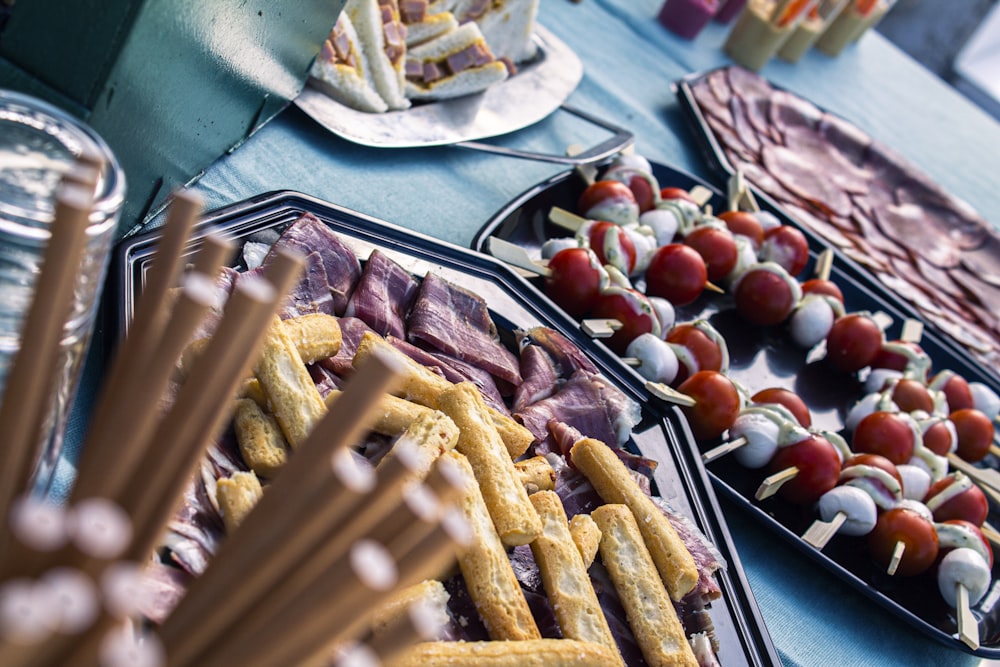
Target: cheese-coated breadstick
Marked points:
567	584
536	474
533	653
237	495
650	613
615	484
259	438
431	435
395	414
586	536
316	336
515	519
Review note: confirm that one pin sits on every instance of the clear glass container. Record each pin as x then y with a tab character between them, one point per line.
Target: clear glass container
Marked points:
38	144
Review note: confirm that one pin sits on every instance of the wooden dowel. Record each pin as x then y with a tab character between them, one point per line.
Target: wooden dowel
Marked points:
300	491
27	386
772	483
820	532
419	623
723	449
126	372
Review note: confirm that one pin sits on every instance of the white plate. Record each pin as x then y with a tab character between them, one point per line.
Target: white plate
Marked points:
539	87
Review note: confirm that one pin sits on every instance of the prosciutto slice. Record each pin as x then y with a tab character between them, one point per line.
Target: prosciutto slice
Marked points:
483	380
383	296
579	403
455	321
351	331
309	234
311	292
539	377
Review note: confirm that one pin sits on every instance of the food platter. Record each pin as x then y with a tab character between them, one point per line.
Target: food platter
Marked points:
679	478
538	89
888	222
764	357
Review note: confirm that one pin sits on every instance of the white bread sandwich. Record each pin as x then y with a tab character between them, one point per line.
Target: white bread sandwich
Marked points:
383	36
506	24
342	72
454	64
423	25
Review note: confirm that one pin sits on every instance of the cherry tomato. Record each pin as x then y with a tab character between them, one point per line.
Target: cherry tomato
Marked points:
575	280
956	390
786	246
820	286
970	504
642	189
914	531
853	342
897	355
747	224
875	461
717	403
818	464
608	200
718	249
975	433
677	193
629	307
977	533
764	297
938	437
888	434
706	351
787	398
612	245
912	395
676	273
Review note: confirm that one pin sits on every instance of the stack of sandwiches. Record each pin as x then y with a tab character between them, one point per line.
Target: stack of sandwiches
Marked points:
382	55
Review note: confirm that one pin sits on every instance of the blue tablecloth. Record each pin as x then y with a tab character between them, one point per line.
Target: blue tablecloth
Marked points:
630	62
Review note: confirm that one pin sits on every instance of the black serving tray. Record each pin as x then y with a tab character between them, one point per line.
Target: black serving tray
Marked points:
662	435
714	155
764	357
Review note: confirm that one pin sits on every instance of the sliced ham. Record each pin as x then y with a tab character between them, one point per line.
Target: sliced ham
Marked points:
453	320
351	331
579	403
383	296
539	377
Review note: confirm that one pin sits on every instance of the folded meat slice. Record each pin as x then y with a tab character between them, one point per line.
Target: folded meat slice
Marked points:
567	357
311	292
539	377
309	234
383	296
455	321
351	331
477	376
579	403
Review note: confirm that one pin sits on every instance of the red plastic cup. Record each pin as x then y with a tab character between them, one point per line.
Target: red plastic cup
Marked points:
687	18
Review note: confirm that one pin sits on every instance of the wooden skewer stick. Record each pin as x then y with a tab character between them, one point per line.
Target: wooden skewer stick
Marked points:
723	449
913	330
28	383
667	393
820	532
985	477
994	449
587	172
600	328
968	627
824	264
990	533
566	219
419	623
897	557
772	483
515	255
701	195
712	287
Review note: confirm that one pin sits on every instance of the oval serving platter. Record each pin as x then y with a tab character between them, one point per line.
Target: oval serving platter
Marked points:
764	357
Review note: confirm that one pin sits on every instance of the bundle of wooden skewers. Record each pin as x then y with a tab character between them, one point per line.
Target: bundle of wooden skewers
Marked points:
329	540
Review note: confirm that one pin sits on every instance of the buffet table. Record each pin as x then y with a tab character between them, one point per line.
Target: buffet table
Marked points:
630	62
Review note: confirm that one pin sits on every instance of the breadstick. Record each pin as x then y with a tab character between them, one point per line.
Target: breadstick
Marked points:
650	612
290	391
533	653
536	474
586	536
259	437
394	417
432	434
430	592
236	496
488	574
615	485
251	389
316	336
423	386
515	519
565	577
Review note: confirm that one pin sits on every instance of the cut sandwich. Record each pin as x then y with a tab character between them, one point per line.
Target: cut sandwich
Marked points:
506	24
455	64
383	39
422	25
342	72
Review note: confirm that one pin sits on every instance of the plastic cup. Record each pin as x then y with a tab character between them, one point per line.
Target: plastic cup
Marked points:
687	18
38	144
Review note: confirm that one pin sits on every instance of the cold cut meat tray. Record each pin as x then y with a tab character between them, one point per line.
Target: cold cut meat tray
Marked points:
763	357
930	253
514	305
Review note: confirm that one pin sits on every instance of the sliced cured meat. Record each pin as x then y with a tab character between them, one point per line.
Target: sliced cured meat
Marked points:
343	270
987	295
310	294
847	139
747	84
912	228
539	377
565	354
477	376
731	144
383	296
163	587
800	176
832	233
937	279
984	261
706	556
351	331
788	111
756	111
579	403
875	239
718	83
426	358
711	104
826	158
961	232
741	124
456	321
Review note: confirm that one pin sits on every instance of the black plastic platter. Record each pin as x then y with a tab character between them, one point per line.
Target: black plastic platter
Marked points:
661	435
764	357
716	157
